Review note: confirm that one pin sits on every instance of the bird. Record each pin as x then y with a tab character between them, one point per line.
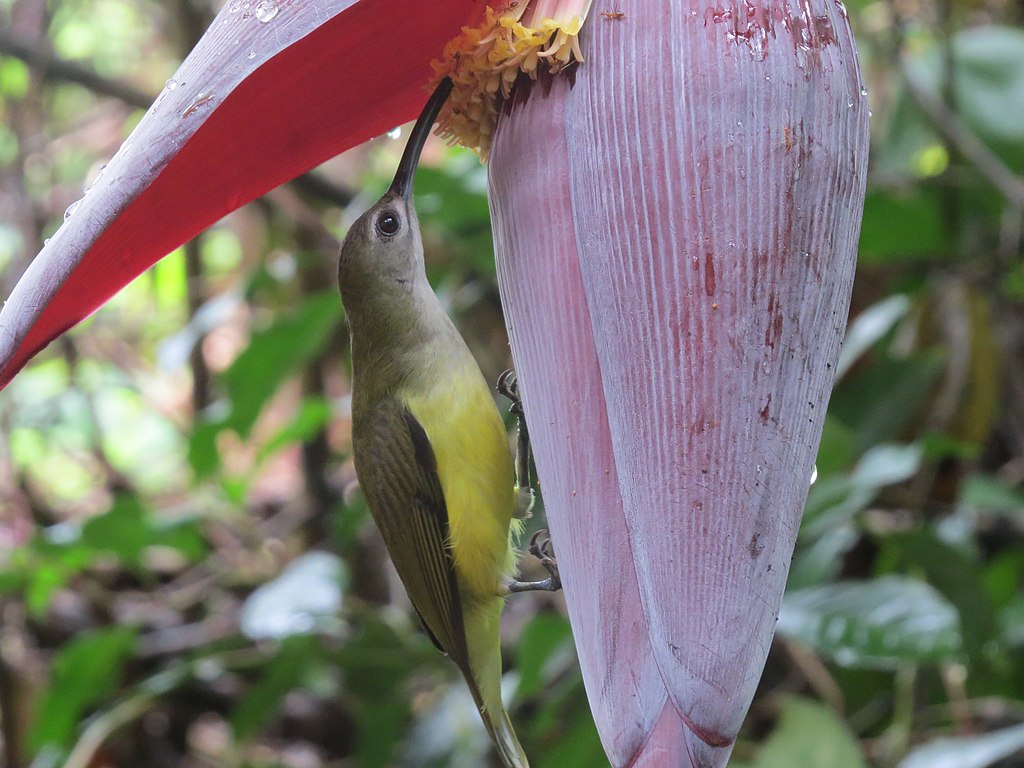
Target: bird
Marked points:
431	453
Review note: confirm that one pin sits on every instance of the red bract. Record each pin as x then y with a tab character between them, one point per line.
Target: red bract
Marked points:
676	229
676	236
264	97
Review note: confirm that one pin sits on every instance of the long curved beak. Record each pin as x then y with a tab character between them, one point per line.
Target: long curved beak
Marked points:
402	185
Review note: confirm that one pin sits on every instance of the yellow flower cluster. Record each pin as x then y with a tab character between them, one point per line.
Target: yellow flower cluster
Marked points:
516	38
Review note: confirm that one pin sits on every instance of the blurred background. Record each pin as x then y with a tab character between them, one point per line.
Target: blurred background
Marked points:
189	578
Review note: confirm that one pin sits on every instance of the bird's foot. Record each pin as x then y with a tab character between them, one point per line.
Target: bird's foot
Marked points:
508	386
540	547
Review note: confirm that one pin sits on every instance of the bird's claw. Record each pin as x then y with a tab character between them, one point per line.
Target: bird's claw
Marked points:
508	386
540	547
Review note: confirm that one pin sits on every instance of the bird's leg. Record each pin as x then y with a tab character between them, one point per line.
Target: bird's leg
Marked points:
540	547
540	542
509	387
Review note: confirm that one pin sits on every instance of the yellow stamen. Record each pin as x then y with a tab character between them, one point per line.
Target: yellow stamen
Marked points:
484	62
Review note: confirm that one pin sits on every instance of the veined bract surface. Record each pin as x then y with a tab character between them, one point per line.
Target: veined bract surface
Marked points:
676	233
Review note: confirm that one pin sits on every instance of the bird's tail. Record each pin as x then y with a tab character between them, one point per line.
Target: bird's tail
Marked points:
483	675
499	726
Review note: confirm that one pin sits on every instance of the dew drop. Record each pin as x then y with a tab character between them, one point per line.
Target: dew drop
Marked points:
814	475
863	91
252	52
266	10
849	103
46	242
395	133
71	209
203	97
236	6
171	84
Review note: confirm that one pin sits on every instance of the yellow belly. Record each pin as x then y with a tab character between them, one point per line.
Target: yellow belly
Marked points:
475	466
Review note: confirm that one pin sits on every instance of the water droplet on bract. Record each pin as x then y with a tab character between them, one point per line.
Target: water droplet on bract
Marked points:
171	84
266	10
204	97
814	475
870	113
70	211
767	78
863	91
46	242
395	133
236	6
252	52
849	103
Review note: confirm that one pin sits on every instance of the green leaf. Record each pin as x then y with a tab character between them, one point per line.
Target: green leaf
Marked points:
43	582
836	451
878	624
122	530
85	672
1011	622
869	327
985	492
542	638
313	415
956	575
988	92
832	502
447	199
809	735
881	401
127	530
968	752
822	559
275	353
902	225
377	662
989	81
577	746
203	455
291	665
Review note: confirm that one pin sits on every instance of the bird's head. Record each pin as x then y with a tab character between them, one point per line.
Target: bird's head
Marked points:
382	253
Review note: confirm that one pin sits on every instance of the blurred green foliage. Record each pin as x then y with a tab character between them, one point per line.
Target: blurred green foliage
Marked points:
186	577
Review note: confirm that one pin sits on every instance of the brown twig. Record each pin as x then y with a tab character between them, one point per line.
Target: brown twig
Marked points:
9	711
196	290
973	149
37	55
816	674
53	68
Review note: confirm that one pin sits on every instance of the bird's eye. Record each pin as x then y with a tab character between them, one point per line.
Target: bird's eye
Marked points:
388	223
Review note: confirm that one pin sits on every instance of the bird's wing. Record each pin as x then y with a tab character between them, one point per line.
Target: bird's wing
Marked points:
400	481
